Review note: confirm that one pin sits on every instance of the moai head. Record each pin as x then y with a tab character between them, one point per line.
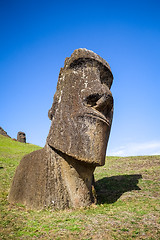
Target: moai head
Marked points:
21	137
82	110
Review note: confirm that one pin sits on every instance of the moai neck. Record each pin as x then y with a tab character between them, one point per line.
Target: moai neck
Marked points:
70	176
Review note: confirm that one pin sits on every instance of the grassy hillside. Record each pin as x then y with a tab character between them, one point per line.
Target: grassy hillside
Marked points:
128	202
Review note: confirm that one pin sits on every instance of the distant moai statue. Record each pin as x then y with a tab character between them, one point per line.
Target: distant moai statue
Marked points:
4	133
61	174
21	137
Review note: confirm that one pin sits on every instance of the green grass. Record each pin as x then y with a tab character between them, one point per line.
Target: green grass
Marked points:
128	202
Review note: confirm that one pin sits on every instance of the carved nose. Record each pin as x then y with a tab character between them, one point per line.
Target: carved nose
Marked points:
105	102
100	102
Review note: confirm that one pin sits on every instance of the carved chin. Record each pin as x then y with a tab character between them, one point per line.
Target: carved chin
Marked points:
89	140
82	137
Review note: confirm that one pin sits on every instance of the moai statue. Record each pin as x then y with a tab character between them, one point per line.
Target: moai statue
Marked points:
21	137
4	133
61	174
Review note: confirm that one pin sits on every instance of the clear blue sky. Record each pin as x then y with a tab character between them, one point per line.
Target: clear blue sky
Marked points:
37	36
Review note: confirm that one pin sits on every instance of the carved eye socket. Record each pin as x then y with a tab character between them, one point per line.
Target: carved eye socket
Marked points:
92	99
106	77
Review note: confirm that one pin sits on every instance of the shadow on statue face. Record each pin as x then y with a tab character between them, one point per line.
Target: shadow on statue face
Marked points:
82	112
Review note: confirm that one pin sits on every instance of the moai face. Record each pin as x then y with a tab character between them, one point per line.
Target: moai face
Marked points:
21	137
82	110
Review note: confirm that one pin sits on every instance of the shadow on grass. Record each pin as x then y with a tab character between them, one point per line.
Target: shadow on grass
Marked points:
109	189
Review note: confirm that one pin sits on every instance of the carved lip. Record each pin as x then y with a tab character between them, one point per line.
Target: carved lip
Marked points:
98	116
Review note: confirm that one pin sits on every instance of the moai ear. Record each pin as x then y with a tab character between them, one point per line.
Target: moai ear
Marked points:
51	111
50	114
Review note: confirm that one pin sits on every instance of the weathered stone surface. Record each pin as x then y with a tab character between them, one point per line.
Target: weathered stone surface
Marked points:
82	108
50	178
21	137
61	174
4	133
